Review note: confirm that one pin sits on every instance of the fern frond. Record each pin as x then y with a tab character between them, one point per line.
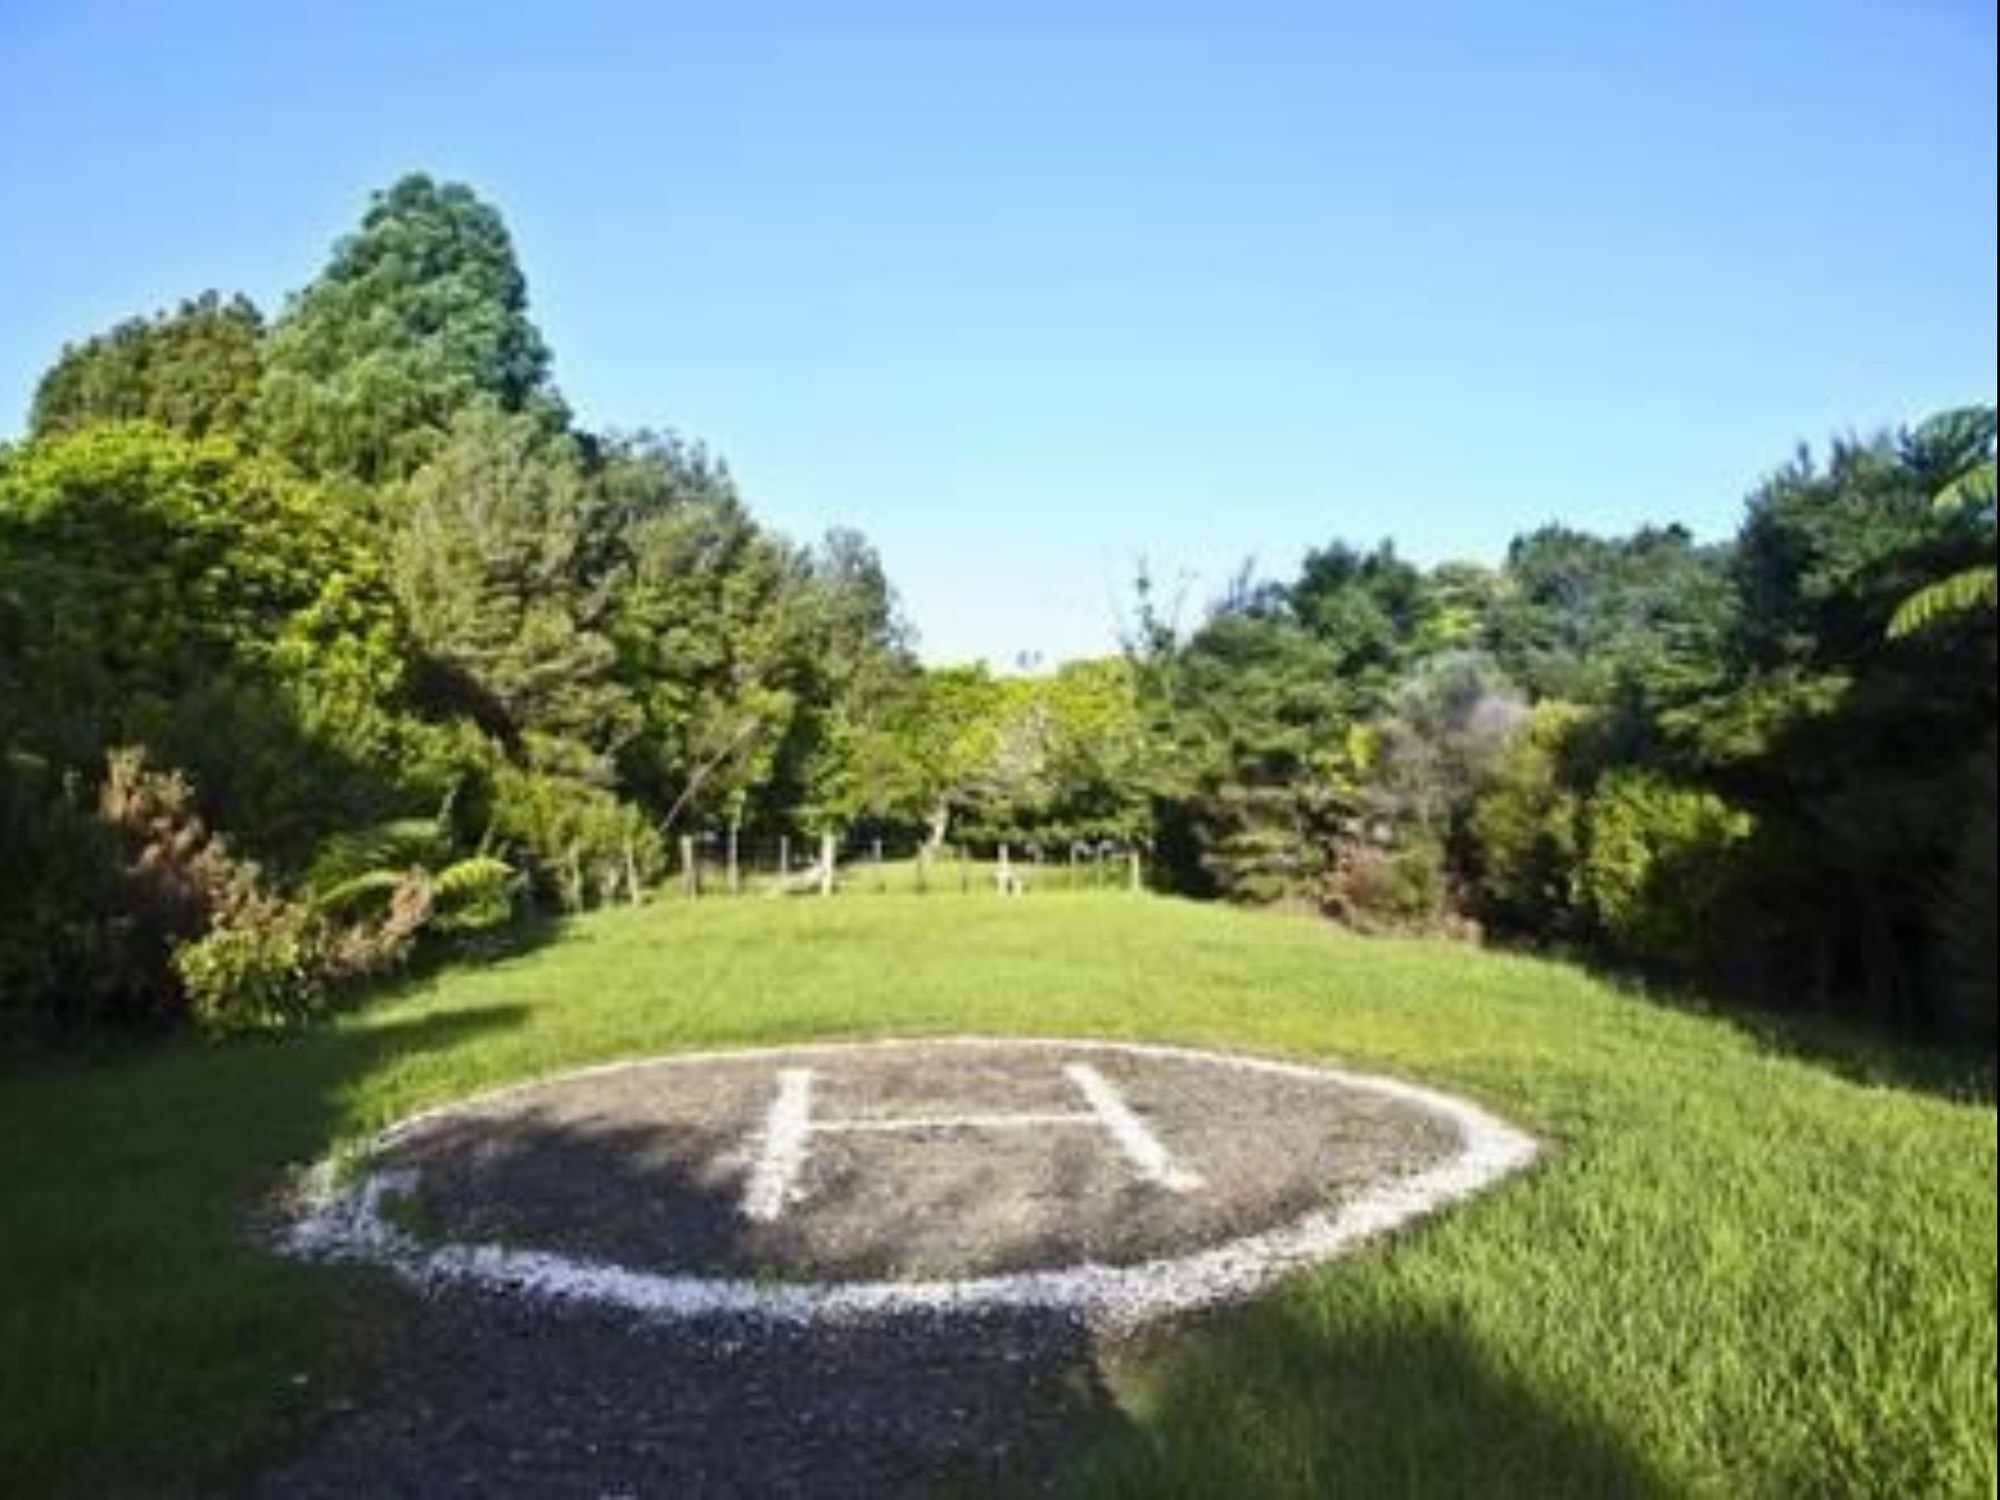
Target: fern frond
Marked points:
1972	489
367	892
473	894
397	845
1961	594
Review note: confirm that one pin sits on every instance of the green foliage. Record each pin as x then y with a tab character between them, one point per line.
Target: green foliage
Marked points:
1438	737
473	895
1575	616
402	875
576	843
1662	867
489	557
1523	831
258	966
1369	609
1383	888
196	599
359	564
1970	589
1257	770
421	314
195	371
710	618
115	880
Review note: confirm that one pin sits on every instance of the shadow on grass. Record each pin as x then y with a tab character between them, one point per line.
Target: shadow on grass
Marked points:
1964	1074
1861	1051
147	1340
1279	1399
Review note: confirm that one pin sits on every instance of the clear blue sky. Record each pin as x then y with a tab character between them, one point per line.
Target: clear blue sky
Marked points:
1026	290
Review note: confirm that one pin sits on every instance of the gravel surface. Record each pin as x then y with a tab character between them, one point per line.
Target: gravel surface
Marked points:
491	1395
607	1303
645	1167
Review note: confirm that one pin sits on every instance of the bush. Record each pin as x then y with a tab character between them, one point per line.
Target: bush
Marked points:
575	841
1373	888
262	964
115	886
1521	834
1662	865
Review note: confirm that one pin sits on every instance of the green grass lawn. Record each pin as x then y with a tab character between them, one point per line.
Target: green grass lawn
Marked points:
1736	1271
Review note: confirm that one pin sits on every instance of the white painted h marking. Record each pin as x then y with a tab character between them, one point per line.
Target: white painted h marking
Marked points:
789	1127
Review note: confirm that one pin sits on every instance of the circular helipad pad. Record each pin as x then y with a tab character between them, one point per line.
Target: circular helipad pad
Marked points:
805	1181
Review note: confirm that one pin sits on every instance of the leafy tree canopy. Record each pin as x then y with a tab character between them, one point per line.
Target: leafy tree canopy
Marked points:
421	313
195	370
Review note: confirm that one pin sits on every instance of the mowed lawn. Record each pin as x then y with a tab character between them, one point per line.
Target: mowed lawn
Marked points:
1736	1272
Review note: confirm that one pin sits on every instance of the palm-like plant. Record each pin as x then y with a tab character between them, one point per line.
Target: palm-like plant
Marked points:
1965	591
401	875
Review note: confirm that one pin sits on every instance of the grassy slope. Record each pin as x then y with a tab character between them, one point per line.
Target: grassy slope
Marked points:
1737	1272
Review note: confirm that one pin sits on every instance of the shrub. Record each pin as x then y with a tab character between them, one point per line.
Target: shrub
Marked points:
1521	834
121	873
1661	867
261	964
574	840
1382	888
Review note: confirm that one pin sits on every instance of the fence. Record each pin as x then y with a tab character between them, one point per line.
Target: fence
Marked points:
714	864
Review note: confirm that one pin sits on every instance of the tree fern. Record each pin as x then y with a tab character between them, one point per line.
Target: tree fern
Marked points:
1961	594
1964	592
406	843
473	894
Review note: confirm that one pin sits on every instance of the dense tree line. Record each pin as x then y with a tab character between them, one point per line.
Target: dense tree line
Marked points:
322	635
333	634
1766	765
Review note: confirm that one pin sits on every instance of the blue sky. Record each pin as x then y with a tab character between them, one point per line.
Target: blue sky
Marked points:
1029	291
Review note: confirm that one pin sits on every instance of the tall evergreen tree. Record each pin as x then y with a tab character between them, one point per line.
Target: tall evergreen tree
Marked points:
421	313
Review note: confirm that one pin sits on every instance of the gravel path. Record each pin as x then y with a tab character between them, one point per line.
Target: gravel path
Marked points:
493	1395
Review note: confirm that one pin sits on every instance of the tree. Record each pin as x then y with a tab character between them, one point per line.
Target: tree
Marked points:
421	313
710	618
202	602
1253	726
195	370
1576	617
489	551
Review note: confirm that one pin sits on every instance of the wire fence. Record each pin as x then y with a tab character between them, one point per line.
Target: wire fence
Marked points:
713	864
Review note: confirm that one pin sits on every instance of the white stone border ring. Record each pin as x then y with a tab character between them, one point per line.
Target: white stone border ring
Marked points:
349	1223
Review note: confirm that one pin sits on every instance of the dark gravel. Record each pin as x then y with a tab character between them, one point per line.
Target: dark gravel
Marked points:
644	1167
491	1395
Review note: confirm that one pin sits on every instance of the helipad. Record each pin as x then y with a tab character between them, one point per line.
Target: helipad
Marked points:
1116	1180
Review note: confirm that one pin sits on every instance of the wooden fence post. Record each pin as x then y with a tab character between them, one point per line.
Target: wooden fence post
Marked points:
690	874
826	864
735	870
